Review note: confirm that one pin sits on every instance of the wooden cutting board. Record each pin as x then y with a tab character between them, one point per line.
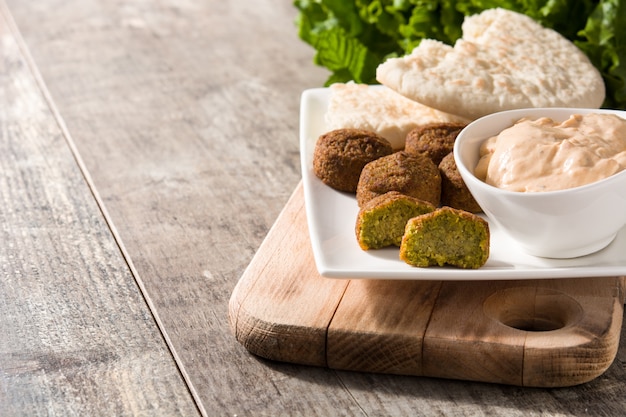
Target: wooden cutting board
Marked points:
539	333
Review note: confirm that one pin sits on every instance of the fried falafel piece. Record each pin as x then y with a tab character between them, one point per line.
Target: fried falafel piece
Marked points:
434	140
382	220
454	192
446	236
413	175
341	154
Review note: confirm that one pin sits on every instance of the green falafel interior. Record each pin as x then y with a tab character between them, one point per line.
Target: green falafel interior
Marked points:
446	237
381	222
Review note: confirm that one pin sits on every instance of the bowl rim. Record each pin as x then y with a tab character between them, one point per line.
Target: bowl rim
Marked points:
469	174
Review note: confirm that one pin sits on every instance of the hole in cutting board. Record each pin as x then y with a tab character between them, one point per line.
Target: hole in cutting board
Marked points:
533	309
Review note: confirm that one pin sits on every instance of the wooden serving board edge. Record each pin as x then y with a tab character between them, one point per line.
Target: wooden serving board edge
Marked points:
282	309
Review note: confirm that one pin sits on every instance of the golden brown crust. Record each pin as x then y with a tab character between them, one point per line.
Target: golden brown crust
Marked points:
341	154
454	192
434	140
413	175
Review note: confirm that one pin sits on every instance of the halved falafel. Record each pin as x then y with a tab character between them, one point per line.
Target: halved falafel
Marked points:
382	220
446	236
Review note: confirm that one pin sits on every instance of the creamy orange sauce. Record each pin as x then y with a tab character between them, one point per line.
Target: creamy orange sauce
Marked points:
544	155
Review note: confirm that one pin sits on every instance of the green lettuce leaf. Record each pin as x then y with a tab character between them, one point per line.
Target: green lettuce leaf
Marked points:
605	45
352	37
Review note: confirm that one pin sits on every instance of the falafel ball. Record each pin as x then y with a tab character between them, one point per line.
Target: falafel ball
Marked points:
434	140
413	175
341	154
454	192
446	236
382	220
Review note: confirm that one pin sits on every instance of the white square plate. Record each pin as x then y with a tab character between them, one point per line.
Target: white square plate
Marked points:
332	216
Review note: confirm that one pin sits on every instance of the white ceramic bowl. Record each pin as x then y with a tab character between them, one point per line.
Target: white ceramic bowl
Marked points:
554	224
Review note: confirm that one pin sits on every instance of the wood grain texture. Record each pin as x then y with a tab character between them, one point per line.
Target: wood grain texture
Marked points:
538	333
379	325
189	130
292	325
76	335
186	115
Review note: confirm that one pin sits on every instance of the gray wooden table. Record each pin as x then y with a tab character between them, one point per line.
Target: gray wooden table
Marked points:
146	148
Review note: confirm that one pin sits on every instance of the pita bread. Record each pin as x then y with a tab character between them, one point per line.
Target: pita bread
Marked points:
505	60
381	110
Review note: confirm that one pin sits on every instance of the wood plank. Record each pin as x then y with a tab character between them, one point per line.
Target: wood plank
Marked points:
276	329
77	336
581	351
540	333
379	326
188	124
575	326
189	131
462	344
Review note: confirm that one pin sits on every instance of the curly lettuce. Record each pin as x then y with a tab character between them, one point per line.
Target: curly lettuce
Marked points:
352	37
605	46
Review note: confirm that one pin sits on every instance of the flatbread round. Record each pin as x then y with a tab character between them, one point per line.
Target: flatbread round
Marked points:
380	110
505	60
